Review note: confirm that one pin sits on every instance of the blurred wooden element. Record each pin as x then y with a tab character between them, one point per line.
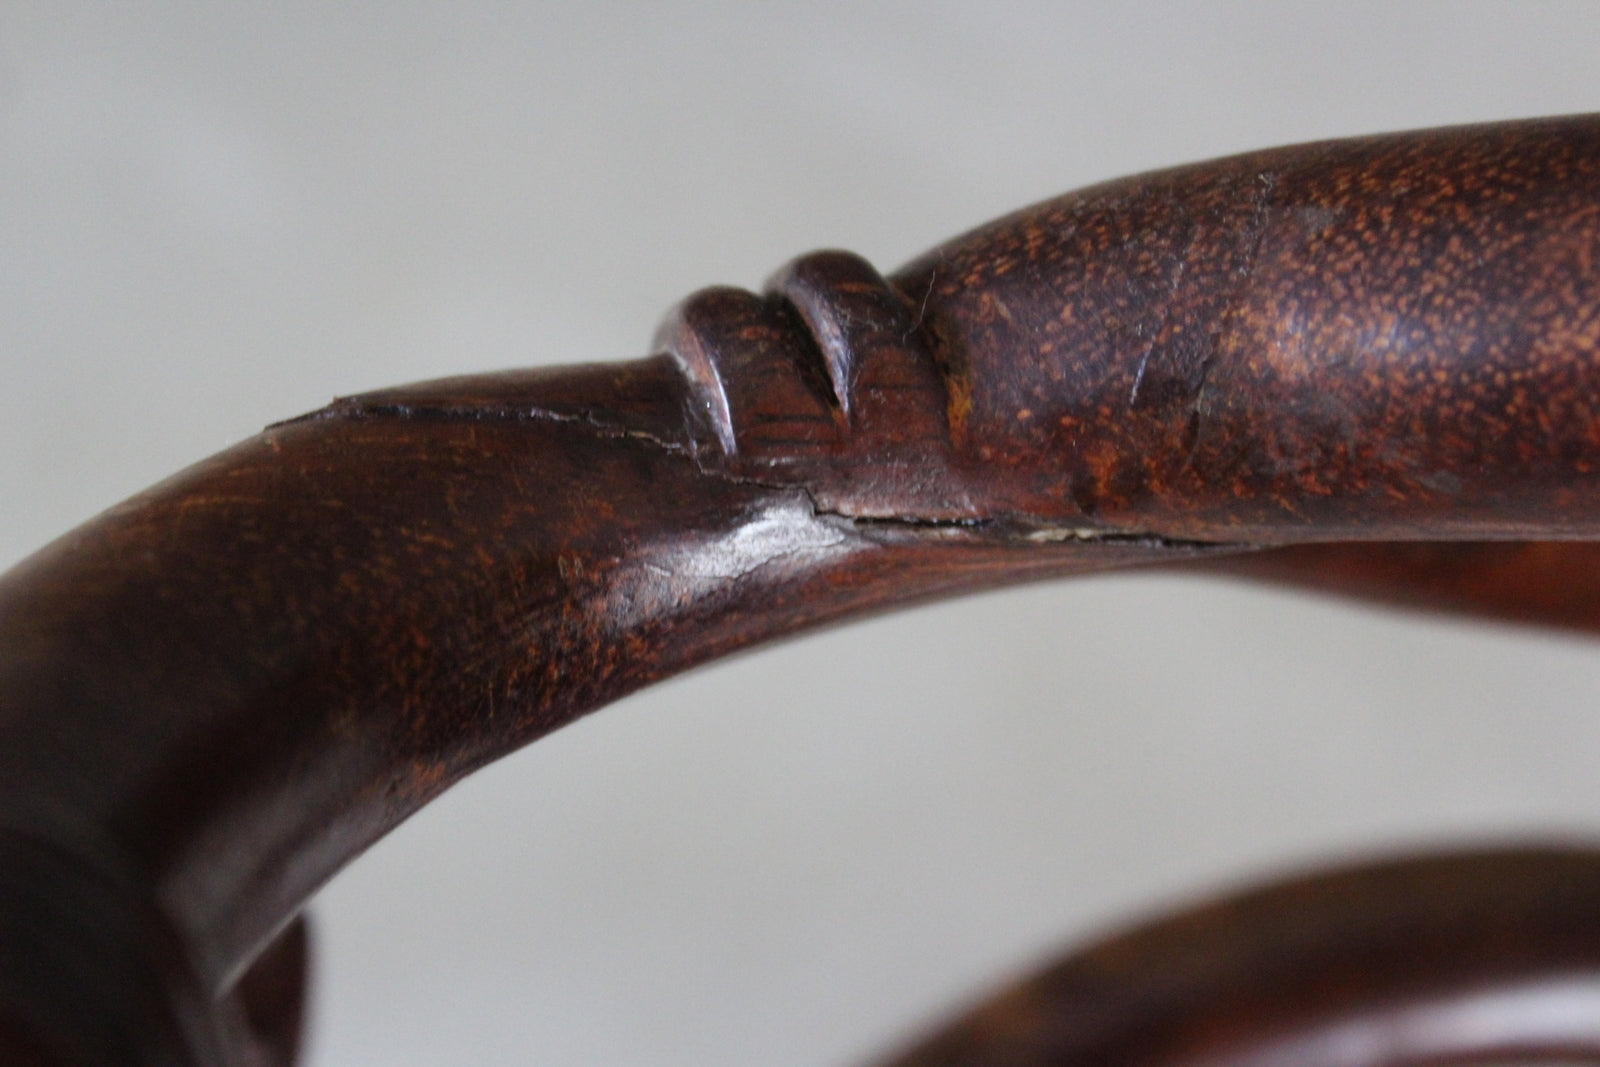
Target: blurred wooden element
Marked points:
1549	583
1463	958
219	692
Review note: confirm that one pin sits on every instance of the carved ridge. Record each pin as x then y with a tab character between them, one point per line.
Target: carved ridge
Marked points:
828	359
686	335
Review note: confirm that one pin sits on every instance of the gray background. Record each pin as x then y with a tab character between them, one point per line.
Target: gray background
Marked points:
216	215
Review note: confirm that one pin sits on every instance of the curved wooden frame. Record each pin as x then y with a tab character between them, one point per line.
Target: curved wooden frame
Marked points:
1368	365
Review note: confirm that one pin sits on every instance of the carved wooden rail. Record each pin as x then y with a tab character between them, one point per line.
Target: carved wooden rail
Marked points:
1369	365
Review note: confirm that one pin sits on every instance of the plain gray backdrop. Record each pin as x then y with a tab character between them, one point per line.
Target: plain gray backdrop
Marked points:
215	215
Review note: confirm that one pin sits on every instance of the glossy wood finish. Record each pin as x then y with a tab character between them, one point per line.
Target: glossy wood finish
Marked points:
217	693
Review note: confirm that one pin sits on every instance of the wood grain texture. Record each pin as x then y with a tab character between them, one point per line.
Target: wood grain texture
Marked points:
219	692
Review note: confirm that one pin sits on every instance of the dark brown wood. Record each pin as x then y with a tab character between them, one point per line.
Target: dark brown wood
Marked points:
219	692
1462	958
